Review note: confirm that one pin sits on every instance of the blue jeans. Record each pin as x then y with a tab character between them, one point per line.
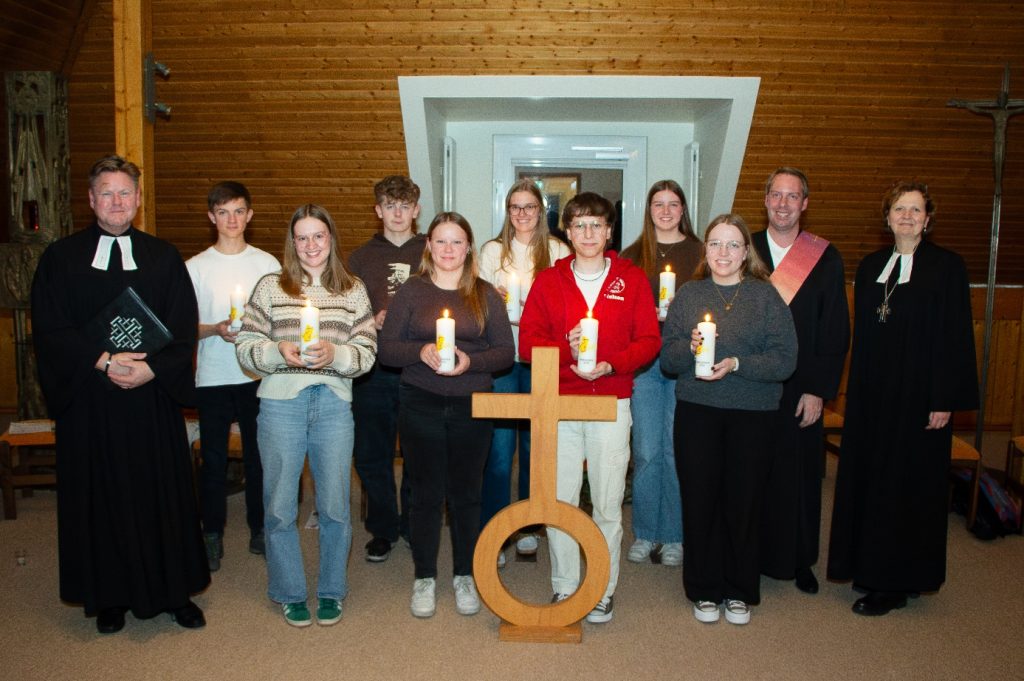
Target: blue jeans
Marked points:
316	423
657	511
496	493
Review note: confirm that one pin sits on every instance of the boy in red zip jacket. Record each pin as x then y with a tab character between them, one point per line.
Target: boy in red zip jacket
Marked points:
617	294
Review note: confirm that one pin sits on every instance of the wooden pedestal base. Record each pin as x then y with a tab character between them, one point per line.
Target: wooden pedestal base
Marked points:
572	633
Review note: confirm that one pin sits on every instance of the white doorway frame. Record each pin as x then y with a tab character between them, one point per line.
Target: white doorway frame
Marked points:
627	154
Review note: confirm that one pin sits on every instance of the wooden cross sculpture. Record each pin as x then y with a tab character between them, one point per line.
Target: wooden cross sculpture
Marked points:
556	622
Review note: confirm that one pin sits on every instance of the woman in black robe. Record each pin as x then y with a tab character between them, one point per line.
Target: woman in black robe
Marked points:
912	365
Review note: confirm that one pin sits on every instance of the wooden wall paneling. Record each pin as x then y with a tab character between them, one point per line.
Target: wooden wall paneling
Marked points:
853	92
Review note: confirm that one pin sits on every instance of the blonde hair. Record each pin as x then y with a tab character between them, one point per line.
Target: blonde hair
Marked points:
539	248
753	266
336	278
472	288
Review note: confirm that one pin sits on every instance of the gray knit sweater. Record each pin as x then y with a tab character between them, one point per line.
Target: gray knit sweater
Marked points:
758	331
272	316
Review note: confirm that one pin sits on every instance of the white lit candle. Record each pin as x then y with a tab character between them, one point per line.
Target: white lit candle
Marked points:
666	289
446	341
513	297
587	356
705	355
237	307
309	325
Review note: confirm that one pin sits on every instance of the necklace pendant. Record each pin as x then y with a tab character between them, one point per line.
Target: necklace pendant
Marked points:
728	306
883	311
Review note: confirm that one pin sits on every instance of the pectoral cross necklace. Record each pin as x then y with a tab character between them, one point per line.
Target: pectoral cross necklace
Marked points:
884	310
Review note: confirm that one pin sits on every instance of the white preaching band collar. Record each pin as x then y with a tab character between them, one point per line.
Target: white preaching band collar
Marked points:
905	268
102	258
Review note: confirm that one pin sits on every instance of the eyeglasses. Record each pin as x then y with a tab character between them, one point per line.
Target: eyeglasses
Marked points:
581	227
320	238
731	246
397	207
529	209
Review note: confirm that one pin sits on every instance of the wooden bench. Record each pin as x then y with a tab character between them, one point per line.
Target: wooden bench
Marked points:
18	464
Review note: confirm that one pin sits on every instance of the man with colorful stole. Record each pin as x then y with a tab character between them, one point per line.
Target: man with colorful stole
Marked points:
808	273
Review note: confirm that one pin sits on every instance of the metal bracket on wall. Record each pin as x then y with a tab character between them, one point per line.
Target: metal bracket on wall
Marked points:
149	71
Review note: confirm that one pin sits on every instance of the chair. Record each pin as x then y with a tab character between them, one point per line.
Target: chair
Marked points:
833	423
967	456
19	464
1012	472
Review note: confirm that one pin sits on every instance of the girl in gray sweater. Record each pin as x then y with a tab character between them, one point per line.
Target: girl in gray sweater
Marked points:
723	421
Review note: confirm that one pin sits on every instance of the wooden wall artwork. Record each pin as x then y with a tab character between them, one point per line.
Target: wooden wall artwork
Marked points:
545	623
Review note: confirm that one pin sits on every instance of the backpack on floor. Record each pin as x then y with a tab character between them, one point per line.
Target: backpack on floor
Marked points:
998	514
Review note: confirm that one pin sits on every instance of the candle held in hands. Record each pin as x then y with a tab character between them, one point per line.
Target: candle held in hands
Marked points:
237	307
586	359
309	326
666	290
705	354
513	298
446	341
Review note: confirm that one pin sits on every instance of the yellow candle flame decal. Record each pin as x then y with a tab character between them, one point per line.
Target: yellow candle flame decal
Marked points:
307	334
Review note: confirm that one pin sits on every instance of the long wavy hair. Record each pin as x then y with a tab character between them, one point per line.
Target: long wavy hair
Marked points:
753	266
539	248
472	288
336	278
647	242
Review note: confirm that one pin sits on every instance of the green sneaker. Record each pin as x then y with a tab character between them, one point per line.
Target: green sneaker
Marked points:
328	611
296	614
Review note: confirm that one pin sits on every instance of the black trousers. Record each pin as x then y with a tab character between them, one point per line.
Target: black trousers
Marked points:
218	406
723	457
375	411
445	451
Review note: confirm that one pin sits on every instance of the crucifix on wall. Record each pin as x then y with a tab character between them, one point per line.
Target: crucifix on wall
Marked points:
544	407
1002	109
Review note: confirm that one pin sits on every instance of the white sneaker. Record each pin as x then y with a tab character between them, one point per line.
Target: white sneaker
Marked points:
640	551
706	611
501	559
467	602
672	554
602	612
423	599
527	545
736	612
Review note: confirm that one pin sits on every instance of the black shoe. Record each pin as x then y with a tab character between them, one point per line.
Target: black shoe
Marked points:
189	616
378	549
878	603
110	620
258	544
806	581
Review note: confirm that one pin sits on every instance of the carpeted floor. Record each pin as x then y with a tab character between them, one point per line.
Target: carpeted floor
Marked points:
972	629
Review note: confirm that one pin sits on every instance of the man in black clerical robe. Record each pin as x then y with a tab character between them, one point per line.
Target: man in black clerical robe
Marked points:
811	272
889	520
128	528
